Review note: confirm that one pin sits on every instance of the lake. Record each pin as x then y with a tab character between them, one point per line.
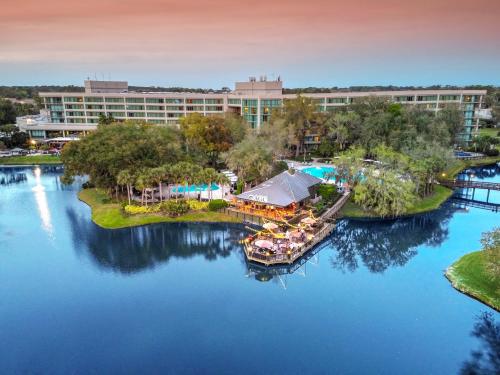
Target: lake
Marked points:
180	298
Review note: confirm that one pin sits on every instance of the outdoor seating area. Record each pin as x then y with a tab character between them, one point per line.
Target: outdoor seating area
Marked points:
284	243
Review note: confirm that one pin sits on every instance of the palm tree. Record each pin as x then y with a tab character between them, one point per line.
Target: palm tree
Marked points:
210	175
157	176
126	178
222	180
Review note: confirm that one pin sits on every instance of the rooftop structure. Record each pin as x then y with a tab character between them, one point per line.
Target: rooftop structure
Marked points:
76	113
92	87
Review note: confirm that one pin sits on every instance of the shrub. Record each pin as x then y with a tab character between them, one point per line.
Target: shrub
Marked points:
327	192
134	210
217	204
239	187
492	152
173	208
197	205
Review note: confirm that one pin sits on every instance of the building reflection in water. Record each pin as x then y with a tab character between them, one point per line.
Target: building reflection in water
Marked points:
41	201
131	250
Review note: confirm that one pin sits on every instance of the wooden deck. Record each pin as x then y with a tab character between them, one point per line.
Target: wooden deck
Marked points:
328	225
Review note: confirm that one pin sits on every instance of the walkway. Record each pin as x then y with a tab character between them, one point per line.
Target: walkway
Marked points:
462	184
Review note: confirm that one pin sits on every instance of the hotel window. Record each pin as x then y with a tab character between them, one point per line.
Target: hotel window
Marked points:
95	114
74	106
94	106
135	107
114	100
115	106
426	98
156	121
135	100
194	101
235	101
154	100
337	100
170	115
73	99
449	97
53	100
155	108
135	114
93	99
175	101
153	114
194	108
174	108
76	113
214	108
213	101
117	114
54	107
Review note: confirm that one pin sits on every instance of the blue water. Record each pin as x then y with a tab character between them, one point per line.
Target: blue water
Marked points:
319	172
180	298
194	188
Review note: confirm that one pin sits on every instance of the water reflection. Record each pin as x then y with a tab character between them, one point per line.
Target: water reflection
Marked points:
13	177
485	360
383	244
41	201
131	250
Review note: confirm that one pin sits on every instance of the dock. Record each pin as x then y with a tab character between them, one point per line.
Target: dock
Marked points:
327	222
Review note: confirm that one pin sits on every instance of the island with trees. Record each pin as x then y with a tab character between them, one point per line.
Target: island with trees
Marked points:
478	274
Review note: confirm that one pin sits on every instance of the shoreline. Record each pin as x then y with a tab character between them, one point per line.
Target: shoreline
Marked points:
110	216
451	172
459	278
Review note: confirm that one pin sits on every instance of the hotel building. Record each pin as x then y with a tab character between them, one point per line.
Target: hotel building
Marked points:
72	114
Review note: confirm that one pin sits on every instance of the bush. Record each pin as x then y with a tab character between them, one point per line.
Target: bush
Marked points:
134	210
88	185
173	208
197	205
239	187
328	192
492	152
217	204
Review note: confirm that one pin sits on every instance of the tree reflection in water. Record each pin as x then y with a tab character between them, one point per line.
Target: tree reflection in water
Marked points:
134	249
486	360
387	243
12	177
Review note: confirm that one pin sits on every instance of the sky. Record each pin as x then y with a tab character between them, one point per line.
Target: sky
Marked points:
212	43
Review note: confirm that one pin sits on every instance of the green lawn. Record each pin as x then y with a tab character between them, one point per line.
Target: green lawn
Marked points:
109	215
469	276
429	203
30	160
492	132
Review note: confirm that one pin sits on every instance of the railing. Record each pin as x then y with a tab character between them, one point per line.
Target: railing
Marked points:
294	254
248	218
334	210
495	207
471	184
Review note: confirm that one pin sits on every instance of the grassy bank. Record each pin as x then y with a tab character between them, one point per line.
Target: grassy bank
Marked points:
468	275
109	214
459	165
429	203
30	160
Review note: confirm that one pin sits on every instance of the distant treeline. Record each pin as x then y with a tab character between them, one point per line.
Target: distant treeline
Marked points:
31	92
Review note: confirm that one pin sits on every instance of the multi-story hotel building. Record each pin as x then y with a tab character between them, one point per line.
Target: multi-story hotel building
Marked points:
70	114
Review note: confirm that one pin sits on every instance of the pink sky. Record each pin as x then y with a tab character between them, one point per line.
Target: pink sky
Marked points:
211	43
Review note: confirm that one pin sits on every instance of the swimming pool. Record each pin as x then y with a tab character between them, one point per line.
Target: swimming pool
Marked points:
194	188
319	172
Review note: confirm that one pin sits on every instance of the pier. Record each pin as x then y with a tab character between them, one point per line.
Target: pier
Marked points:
292	254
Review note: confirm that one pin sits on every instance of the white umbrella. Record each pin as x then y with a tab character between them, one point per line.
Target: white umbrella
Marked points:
264	244
270	226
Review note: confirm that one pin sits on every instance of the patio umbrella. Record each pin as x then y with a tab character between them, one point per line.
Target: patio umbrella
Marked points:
308	220
270	226
264	244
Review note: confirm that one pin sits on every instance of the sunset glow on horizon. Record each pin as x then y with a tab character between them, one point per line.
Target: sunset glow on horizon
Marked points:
215	42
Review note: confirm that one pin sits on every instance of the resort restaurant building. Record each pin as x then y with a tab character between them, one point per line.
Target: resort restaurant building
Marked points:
75	113
279	198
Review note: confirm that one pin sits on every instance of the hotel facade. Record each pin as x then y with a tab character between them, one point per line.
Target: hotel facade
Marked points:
74	114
